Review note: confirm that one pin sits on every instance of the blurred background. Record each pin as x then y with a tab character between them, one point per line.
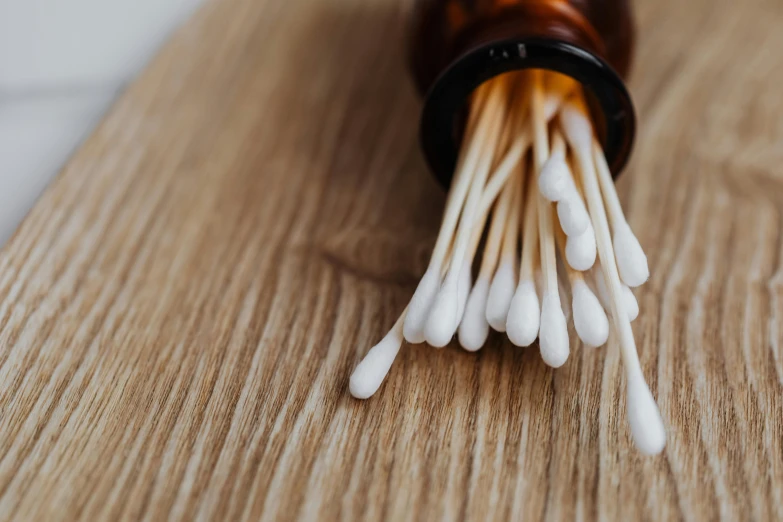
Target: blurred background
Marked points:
62	63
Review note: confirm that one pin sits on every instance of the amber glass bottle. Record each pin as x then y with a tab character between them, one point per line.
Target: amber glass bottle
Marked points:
455	45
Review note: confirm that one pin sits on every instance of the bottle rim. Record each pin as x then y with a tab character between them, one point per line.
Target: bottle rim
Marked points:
440	135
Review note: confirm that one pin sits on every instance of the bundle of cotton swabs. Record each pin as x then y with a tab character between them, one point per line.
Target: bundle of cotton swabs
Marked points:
531	181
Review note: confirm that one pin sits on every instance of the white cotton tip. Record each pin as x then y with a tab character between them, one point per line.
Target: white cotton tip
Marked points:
420	305
463	291
474	329
553	181
590	321
581	250
644	417
572	214
524	315
631	304
370	373
500	294
631	259
442	322
553	332
576	126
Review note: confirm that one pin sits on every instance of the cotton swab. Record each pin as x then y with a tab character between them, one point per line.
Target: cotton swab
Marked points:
630	303
580	250
501	291
372	370
502	284
553	180
571	210
442	321
631	259
424	296
572	215
643	414
553	330
524	314
474	328
590	321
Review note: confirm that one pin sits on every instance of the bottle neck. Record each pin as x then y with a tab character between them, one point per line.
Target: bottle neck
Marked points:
530	35
558	21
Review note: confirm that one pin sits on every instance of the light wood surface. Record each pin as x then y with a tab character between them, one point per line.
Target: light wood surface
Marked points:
180	312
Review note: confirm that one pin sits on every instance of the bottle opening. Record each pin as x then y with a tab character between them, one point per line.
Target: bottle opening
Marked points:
443	116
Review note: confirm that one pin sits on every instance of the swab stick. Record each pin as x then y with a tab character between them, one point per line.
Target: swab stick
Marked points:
631	259
643	415
590	321
553	331
524	314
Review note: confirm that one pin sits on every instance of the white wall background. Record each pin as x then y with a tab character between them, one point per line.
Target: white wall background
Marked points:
62	62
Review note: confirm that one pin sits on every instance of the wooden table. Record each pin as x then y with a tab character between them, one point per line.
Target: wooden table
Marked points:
180	312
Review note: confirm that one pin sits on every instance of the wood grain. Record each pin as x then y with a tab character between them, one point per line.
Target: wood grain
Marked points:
180	312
